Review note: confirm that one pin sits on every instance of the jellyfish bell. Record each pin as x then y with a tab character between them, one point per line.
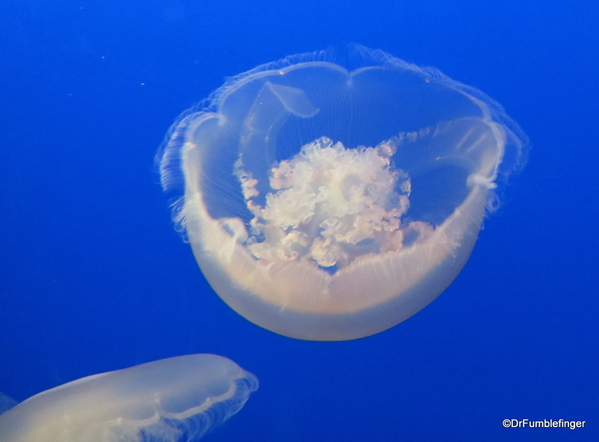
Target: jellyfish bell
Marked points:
175	399
324	203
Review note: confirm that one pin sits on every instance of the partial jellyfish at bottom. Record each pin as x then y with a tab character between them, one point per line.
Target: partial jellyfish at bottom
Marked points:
175	399
331	200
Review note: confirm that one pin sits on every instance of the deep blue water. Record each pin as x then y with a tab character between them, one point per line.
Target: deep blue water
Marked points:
93	276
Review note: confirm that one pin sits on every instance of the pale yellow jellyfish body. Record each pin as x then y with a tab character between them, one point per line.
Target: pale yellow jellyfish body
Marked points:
176	399
329	204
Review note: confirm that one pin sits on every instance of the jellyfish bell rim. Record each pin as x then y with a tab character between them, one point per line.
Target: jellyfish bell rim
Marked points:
168	156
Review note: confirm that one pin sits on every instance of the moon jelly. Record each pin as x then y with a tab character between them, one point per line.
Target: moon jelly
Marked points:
330	200
176	399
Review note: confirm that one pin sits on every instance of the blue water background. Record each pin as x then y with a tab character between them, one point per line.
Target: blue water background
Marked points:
94	278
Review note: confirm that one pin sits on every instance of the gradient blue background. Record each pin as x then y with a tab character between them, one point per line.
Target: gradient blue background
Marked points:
94	278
